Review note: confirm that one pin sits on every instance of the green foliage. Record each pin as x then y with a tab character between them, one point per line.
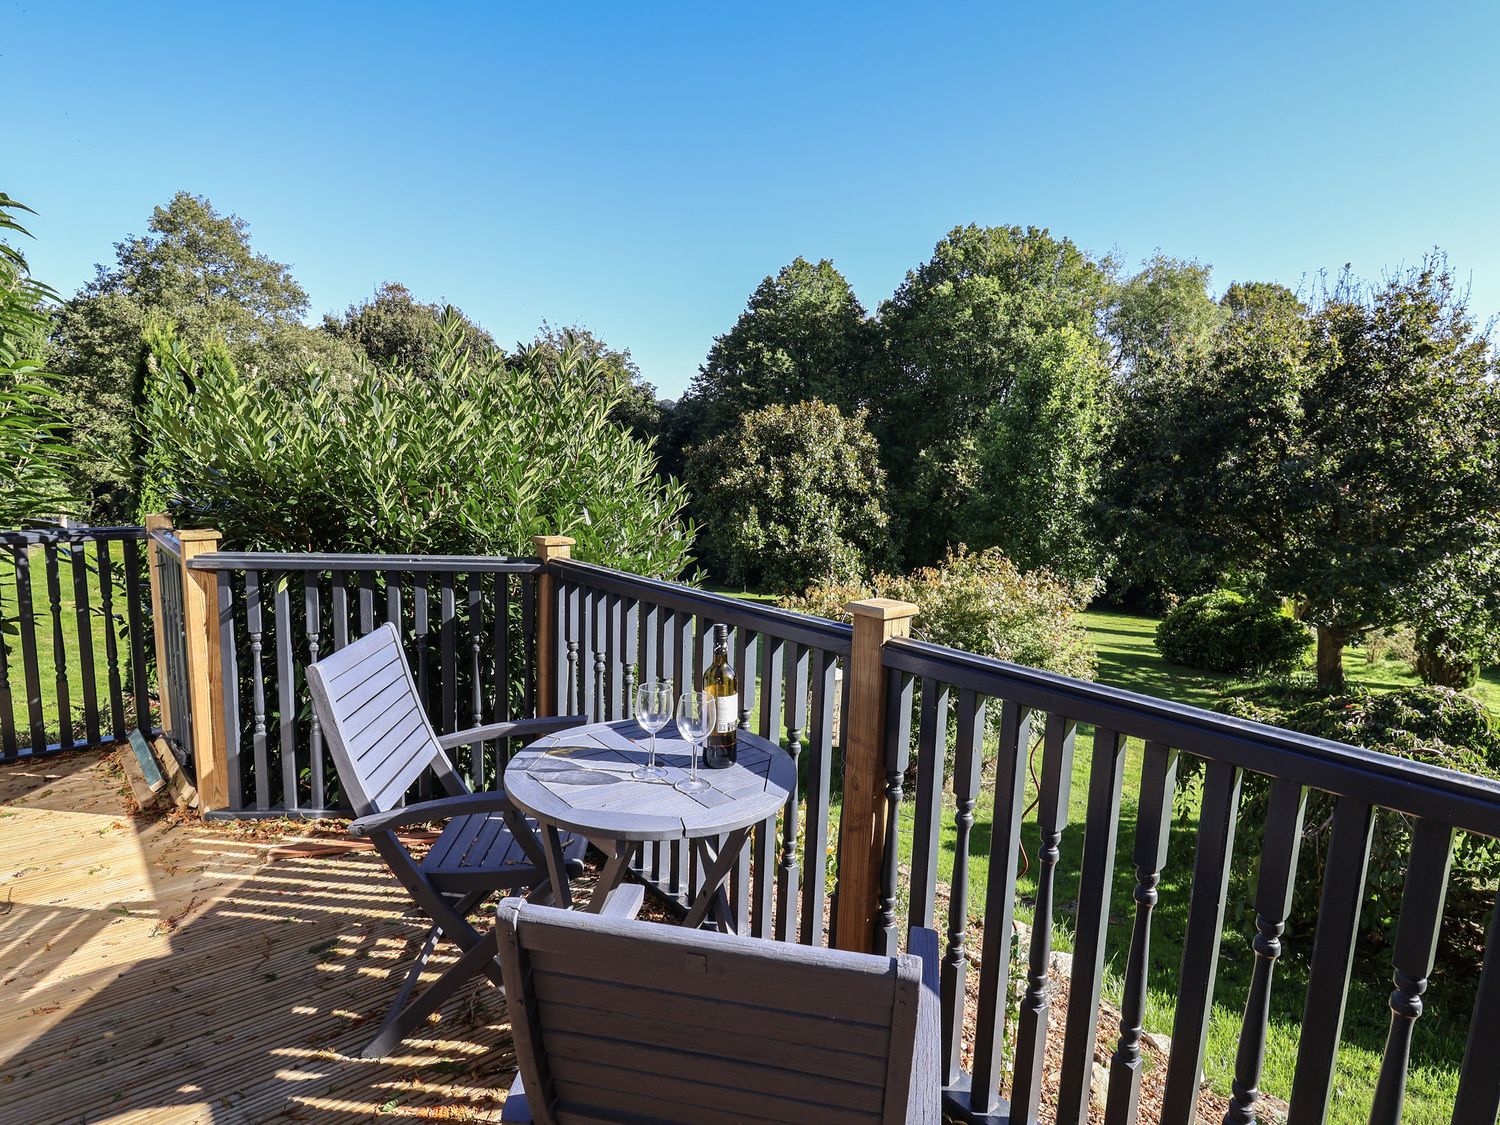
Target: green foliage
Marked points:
803	336
1432	725
195	266
1224	631
1343	453
957	333
1454	612
789	496
474	458
981	602
1163	313
37	458
1037	460
636	406
394	329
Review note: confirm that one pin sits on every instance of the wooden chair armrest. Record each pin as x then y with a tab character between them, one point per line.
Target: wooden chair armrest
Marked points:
625	901
513	729
444	808
925	1096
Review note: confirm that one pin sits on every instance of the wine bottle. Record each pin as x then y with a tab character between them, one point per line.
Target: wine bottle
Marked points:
719	682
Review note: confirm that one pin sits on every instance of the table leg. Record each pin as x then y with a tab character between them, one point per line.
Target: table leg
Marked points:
714	874
613	874
557	870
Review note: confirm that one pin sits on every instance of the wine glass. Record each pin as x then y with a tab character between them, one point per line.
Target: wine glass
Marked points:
695	722
653	710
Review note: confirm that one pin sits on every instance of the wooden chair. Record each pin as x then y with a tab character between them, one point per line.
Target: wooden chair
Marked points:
382	742
623	1021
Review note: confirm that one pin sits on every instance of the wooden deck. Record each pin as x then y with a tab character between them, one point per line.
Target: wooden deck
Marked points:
159	970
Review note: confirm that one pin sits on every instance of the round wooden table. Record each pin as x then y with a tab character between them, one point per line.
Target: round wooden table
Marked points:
578	780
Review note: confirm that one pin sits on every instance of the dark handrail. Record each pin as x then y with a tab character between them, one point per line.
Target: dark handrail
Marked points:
45	535
799	628
422	564
1425	790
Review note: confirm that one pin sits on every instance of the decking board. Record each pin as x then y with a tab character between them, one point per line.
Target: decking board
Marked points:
162	971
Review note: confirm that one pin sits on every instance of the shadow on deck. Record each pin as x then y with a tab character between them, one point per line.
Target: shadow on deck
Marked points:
155	969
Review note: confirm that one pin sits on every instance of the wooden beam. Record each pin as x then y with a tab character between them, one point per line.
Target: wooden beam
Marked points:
863	819
200	611
548	547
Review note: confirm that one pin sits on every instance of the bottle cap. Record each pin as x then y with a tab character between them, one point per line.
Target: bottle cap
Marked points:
721	632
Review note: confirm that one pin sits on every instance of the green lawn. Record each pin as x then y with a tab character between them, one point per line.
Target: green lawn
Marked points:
1128	659
46	647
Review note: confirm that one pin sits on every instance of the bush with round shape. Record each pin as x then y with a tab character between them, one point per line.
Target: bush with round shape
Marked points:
1224	631
790	496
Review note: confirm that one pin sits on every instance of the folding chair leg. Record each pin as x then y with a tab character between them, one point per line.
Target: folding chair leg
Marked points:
401	1022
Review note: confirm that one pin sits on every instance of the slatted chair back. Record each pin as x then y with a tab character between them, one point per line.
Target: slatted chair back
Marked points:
613	1019
377	729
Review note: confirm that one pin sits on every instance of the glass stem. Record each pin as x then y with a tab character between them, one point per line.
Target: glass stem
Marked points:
652	763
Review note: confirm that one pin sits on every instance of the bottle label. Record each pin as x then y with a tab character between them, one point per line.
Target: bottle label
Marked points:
726	713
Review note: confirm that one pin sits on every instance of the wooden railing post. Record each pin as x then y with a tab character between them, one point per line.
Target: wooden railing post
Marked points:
862	823
157	522
205	673
548	547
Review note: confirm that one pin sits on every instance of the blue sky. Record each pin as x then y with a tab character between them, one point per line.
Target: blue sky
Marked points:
639	168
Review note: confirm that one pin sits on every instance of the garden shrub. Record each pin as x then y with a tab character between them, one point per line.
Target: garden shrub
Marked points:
1432	725
790	496
981	602
1224	631
474	456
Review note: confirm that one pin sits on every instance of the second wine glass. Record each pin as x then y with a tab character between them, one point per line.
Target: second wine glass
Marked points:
695	721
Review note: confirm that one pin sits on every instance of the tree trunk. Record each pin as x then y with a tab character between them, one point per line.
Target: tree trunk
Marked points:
1331	659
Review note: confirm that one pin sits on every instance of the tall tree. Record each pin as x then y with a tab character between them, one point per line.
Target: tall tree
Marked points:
956	333
803	336
1038	459
1162	313
195	266
394	329
1343	454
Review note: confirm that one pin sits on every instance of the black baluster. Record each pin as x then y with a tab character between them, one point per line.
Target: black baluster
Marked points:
476	685
60	648
448	652
790	886
1101	824
313	616
1036	1002
229	670
968	759
819	788
897	755
1416	946
9	747
84	622
136	625
111	647
1273	901
1153	831
932	738
286	691
366	602
1479	1078
569	600
1332	956
255	624
1200	947
999	905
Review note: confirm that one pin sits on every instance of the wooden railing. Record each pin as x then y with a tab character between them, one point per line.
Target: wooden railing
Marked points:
92	688
491	639
468	624
924	682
